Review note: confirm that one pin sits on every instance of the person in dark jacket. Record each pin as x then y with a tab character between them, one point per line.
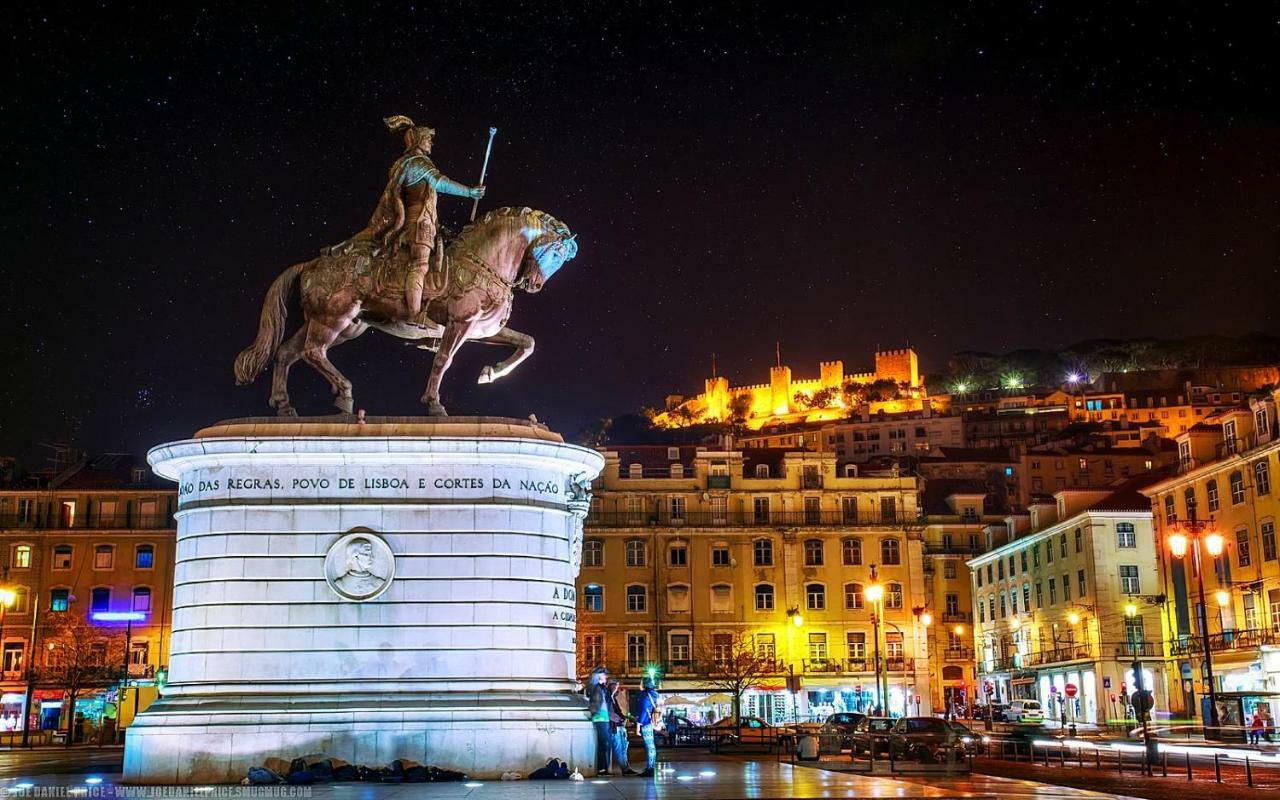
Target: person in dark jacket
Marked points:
598	710
618	726
646	718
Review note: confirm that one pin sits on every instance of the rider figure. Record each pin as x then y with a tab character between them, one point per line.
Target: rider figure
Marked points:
406	214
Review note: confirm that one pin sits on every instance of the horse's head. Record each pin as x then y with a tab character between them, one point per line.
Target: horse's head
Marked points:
550	246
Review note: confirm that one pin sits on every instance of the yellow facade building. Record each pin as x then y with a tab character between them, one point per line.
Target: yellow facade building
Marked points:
1228	465
93	546
691	552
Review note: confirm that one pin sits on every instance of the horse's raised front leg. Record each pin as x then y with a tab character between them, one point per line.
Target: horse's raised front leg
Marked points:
455	333
523	343
286	356
315	352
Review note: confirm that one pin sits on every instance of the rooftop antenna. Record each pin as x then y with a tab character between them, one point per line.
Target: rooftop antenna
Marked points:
777	350
714	374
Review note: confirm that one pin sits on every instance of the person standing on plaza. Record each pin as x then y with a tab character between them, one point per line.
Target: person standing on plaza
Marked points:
598	709
618	726
645	719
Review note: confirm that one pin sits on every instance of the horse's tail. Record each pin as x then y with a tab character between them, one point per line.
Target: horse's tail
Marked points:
253	358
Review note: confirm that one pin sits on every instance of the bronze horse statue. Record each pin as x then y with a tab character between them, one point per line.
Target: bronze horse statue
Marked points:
345	293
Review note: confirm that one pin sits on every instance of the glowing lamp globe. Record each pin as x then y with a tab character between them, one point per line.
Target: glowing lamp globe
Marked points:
1223	597
1178	544
874	593
1073	618
1213	542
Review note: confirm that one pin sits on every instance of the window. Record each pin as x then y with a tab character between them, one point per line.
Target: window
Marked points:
1243	555
1026	597
762	552
677	470
637	599
1053	592
144	556
142	599
22	556
636	554
26	509
1013	600
59	599
813	552
766	646
1000	569
1268	541
1081	585
893	595
62	556
1134	634
720	555
1048	552
20	595
1237	488
991	607
593	648
990	575
817	647
1170	511
721	647
982	612
849	509
593	598
890	552
637	649
678	555
815	597
762	470
1035	555
1261	478
13	656
1066	588
857	644
1129	580
1022	560
888	509
893	650
1079	541
677	508
721	598
1039	595
812	511
719	509
764	597
1062	545
103	556
760	507
678	598
1211	489
593	553
948	570
100	600
851	552
853	596
1125	537
951	603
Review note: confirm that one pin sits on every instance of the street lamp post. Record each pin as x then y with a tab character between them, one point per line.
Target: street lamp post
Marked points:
1140	692
874	593
1194	531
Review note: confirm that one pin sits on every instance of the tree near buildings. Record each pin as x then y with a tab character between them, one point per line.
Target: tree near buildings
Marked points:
79	655
734	664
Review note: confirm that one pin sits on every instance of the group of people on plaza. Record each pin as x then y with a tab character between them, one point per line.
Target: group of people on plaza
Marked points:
610	720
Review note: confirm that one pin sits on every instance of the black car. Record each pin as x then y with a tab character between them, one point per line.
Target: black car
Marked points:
686	732
837	731
929	740
972	741
871	735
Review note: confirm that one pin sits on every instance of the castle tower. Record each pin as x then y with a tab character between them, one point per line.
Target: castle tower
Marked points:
780	389
717	394
831	375
898	365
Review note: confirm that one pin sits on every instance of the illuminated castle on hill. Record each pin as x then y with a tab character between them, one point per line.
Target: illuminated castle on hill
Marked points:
783	399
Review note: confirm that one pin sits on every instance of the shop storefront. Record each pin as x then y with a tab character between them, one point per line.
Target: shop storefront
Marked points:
1070	695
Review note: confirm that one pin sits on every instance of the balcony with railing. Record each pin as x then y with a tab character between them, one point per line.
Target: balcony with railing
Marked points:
119	521
1130	650
1227	642
747	519
955	617
1058	655
958	654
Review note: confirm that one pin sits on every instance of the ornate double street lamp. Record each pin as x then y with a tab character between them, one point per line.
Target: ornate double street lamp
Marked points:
1194	532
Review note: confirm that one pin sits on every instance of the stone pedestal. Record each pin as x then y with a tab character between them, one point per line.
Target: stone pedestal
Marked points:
397	589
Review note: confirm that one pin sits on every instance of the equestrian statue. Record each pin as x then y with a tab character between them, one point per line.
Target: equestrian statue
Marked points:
401	276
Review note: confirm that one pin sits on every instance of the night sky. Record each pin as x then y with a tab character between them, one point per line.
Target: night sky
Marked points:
952	175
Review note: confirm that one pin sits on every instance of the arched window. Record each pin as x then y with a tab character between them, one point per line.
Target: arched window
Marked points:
593	553
637	599
851	470
853	596
893	595
890	552
144	557
763	552
100	600
104	555
142	599
815	597
22	556
636	555
764	597
851	552
762	470
813	552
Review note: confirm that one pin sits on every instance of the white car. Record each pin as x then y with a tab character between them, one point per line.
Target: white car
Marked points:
1024	711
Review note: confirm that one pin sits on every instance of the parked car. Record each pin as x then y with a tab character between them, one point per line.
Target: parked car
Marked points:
837	730
871	735
973	741
749	730
926	739
998	712
686	733
1024	711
